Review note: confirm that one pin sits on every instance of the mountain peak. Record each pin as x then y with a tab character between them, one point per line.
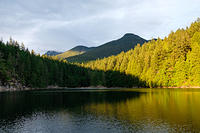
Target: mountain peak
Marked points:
80	48
125	43
130	35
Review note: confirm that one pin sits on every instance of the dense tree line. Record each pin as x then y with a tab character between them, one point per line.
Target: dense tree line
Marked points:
20	66
172	61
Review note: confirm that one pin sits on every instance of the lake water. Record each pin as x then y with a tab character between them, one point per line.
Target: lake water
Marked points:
100	111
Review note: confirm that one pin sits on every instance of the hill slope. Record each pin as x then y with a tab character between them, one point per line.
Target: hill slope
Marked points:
127	42
74	51
170	62
21	69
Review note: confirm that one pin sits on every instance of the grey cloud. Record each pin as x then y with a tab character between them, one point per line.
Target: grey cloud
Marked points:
62	24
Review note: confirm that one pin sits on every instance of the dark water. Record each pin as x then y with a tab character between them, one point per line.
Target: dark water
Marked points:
100	111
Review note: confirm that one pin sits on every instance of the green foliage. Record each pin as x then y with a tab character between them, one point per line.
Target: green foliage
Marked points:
173	61
35	71
4	74
32	70
194	60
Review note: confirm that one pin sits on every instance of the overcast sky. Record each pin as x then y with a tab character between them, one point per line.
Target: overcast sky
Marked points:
62	24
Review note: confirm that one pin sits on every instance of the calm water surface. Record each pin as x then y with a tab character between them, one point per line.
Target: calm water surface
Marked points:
100	111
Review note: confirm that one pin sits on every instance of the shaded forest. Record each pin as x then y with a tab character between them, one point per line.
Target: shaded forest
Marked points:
21	68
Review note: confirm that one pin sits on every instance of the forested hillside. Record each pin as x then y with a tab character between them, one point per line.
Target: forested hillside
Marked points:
127	42
170	62
20	68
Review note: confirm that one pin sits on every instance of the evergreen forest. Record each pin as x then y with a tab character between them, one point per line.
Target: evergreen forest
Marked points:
21	68
170	62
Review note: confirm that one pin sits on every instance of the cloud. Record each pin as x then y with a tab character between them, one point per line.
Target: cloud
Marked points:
62	24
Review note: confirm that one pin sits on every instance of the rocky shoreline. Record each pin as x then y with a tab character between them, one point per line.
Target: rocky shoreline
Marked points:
23	88
6	88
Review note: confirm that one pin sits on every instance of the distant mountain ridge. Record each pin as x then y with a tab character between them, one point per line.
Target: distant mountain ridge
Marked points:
127	42
82	53
74	51
52	53
80	48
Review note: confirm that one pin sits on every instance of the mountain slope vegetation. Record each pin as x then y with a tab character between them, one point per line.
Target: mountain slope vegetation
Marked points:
20	68
170	62
125	43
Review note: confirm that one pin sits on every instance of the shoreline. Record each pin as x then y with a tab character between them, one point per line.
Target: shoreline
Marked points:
182	87
13	89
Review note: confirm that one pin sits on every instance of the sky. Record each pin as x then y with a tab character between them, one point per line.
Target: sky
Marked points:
62	24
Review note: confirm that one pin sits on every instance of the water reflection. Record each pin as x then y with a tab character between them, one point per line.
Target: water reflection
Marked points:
138	110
